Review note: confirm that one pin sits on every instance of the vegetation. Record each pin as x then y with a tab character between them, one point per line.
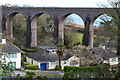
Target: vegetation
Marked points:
29	66
57	67
87	72
72	36
60	50
106	32
86	57
45	30
19	30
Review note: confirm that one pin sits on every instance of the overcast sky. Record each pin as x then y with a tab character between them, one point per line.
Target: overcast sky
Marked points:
55	3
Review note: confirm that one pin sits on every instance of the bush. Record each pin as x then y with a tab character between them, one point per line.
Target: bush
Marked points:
31	67
87	72
57	67
26	63
30	73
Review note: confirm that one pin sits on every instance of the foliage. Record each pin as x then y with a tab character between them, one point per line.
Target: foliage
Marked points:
86	57
87	72
57	67
19	30
72	36
60	50
106	32
116	20
45	30
31	67
26	63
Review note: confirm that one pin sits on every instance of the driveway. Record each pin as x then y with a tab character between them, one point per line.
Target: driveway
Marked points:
15	73
39	72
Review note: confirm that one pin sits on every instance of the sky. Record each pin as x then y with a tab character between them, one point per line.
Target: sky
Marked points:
54	3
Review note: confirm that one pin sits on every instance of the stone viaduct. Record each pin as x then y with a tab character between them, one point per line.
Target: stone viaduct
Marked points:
31	14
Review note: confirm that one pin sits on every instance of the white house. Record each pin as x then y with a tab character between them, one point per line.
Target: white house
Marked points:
48	59
108	56
11	55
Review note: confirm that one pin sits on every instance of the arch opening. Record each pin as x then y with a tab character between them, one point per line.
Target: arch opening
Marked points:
42	30
73	28
105	32
16	29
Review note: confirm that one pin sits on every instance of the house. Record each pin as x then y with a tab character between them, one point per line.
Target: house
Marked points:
11	55
107	55
46	59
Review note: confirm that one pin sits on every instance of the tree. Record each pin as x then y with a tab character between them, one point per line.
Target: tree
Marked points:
106	34
45	30
60	51
86	57
116	17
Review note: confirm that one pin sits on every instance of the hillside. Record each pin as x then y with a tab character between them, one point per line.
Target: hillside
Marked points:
74	25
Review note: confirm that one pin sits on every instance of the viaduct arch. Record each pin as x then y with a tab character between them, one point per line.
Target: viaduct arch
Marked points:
58	14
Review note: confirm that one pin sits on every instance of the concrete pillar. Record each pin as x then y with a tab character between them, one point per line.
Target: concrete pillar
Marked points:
58	31
61	32
91	35
56	24
28	32
9	27
88	33
34	33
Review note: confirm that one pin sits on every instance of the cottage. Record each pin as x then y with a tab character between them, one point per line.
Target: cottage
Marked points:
11	55
107	55
48	59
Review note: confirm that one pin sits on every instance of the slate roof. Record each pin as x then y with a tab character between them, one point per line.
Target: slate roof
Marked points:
104	53
48	47
11	48
43	55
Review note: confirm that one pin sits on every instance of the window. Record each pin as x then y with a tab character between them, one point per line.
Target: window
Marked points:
73	62
65	62
53	63
12	65
113	59
12	55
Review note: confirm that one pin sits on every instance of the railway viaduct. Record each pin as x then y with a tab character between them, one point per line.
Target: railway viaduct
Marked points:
31	15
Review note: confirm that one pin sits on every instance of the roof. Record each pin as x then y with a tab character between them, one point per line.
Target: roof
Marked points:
104	53
48	47
43	55
11	48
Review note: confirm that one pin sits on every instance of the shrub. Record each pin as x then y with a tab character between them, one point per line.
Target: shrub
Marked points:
57	67
87	71
26	63
31	67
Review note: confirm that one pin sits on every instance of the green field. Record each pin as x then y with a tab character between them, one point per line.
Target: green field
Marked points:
72	38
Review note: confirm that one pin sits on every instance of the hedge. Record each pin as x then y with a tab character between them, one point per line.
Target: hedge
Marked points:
31	67
87	71
26	63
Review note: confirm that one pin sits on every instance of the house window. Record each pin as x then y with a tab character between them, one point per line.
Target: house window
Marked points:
53	63
32	61
113	59
12	55
65	62
12	65
73	62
